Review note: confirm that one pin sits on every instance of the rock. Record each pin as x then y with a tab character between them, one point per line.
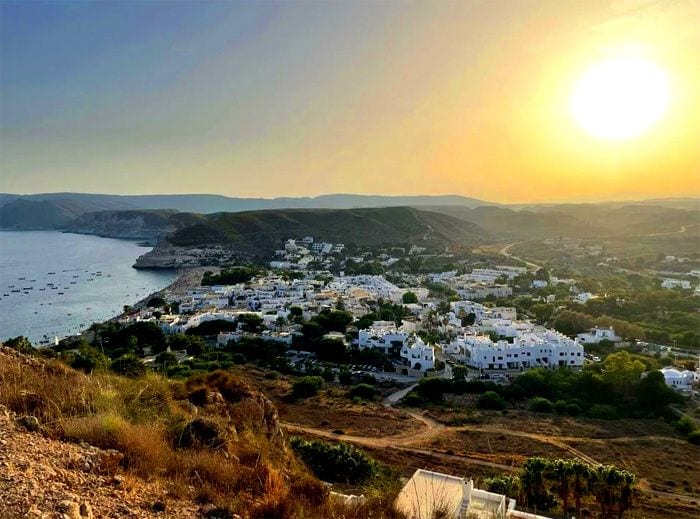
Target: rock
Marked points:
69	509
86	511
30	423
34	513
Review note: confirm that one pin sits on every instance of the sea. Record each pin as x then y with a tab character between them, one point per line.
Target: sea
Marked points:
55	284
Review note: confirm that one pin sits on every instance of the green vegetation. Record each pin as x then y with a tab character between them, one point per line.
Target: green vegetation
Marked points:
231	276
543	484
307	387
409	298
614	389
257	233
336	462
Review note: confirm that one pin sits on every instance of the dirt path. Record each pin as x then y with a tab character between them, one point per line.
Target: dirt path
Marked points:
410	443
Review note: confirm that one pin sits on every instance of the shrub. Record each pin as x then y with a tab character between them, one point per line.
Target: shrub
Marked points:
560	406
491	400
603	412
573	409
694	437
128	365
307	387
684	426
540	405
345	378
200	433
335	462
413	399
368	378
364	391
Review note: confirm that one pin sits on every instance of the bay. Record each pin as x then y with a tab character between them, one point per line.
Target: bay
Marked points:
70	281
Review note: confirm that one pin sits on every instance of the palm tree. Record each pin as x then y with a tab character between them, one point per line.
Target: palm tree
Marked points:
560	472
532	481
607	485
628	480
582	477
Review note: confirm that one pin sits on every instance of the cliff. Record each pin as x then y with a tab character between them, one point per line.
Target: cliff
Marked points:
142	225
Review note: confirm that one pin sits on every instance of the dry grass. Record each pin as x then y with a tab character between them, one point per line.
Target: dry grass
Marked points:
331	410
247	469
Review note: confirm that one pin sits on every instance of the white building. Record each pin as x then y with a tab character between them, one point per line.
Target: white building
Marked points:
417	354
384	336
545	349
679	379
430	494
671	283
595	335
583	297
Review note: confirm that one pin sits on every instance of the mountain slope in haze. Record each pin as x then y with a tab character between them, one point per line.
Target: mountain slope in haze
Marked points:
262	232
516	224
135	224
575	220
206	204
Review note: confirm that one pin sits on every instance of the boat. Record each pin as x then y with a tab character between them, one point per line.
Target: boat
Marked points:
22	279
15	291
6	295
51	273
60	293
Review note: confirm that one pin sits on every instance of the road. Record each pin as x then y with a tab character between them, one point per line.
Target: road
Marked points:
504	252
683	229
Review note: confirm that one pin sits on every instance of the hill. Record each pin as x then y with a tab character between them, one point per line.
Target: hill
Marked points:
577	220
102	445
262	232
57	210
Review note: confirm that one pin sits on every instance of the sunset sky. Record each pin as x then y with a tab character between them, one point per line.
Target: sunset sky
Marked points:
306	98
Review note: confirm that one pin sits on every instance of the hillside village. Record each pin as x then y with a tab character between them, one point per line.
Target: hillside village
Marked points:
426	338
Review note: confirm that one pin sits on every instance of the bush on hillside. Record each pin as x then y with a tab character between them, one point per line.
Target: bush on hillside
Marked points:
491	400
603	412
363	391
307	387
694	437
540	405
335	462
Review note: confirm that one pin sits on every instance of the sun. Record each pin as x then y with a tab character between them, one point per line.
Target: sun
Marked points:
620	98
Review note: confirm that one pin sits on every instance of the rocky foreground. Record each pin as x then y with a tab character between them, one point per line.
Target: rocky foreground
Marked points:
45	478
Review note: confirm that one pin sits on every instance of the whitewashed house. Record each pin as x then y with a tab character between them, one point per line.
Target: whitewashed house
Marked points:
417	354
678	379
595	335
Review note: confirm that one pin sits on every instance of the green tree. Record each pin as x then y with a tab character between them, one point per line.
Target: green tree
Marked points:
128	365
165	359
89	359
409	298
307	387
